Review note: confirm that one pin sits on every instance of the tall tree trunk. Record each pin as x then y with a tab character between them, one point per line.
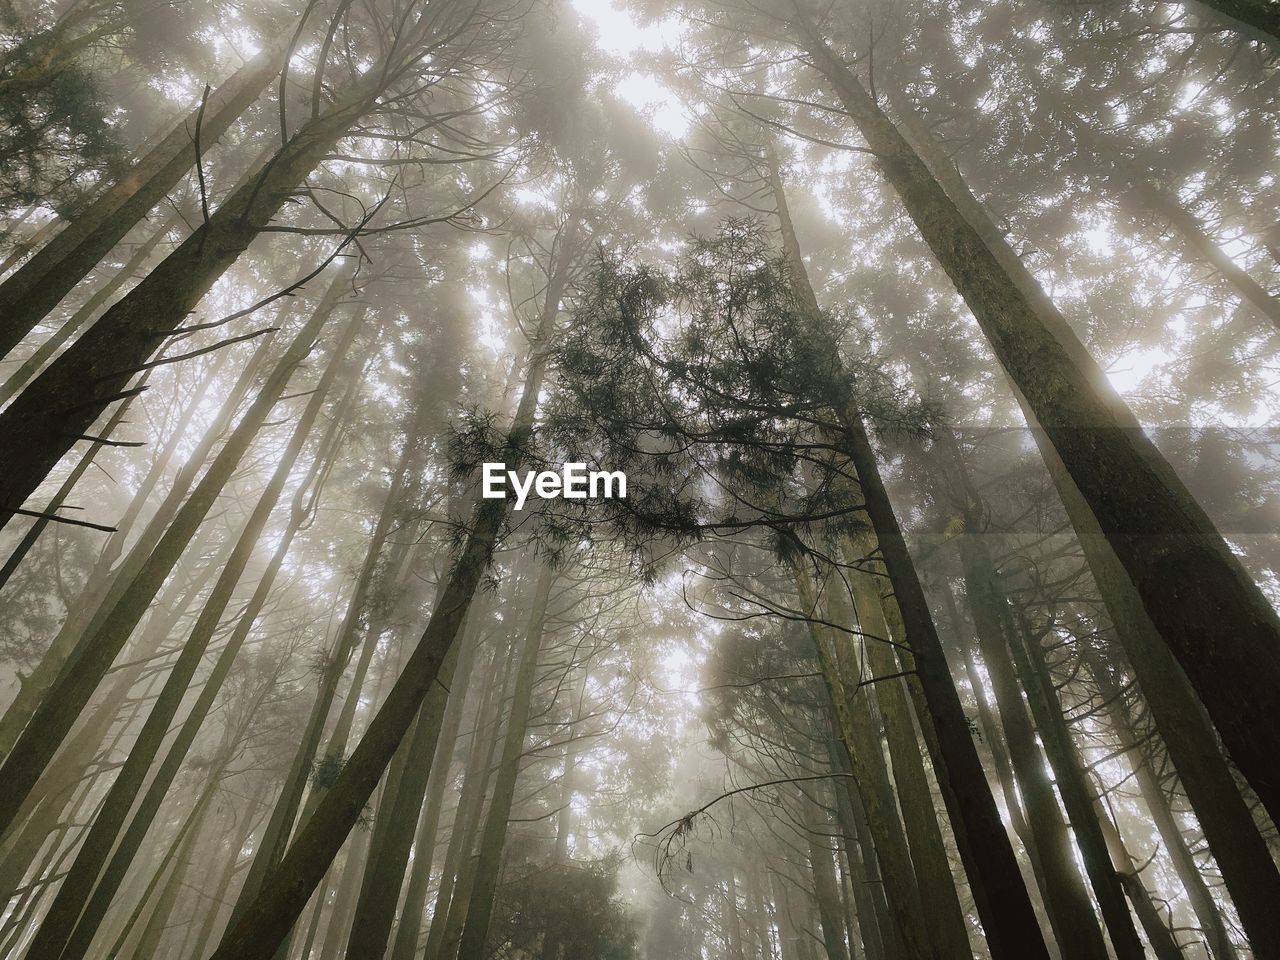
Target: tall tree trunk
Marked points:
1247	867
857	727
982	577
824	884
348	636
1202	901
1065	897
1190	583
939	896
394	829
61	404
467	814
106	583
999	891
33	290
32	365
57	930
74	687
405	946
285	894
473	942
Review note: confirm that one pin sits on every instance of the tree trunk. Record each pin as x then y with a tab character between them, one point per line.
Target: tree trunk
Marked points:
63	703
405	946
472	944
33	290
394	829
63	403
76	888
857	727
285	892
1247	867
1190	583
1066	900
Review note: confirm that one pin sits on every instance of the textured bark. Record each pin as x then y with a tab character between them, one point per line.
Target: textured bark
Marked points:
857	728
1189	874
983	580
984	847
106	582
1190	583
398	813
64	702
28	295
88	310
1181	720
940	901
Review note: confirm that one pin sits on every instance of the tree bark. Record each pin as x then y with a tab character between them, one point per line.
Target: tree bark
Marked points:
1190	583
33	290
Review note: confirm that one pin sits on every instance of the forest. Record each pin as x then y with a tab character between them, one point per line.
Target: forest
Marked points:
636	480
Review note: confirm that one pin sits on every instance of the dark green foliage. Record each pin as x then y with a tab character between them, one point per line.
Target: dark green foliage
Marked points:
571	908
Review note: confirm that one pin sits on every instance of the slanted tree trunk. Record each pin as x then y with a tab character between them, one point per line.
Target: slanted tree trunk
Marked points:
405	946
1202	901
284	894
33	290
1247	867
32	365
106	583
857	727
1190	583
394	829
473	942
64	401
57	929
53	719
984	846
824	882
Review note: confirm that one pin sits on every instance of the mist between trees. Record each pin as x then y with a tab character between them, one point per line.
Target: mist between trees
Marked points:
925	354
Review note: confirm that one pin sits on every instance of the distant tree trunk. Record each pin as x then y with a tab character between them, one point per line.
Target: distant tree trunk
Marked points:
348	637
1069	772
285	894
1201	899
865	754
1065	897
405	946
938	889
830	912
52	720
56	931
984	846
1190	583
106	583
982	579
472	945
64	401
33	290
466	817
1248	869
398	813
861	881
